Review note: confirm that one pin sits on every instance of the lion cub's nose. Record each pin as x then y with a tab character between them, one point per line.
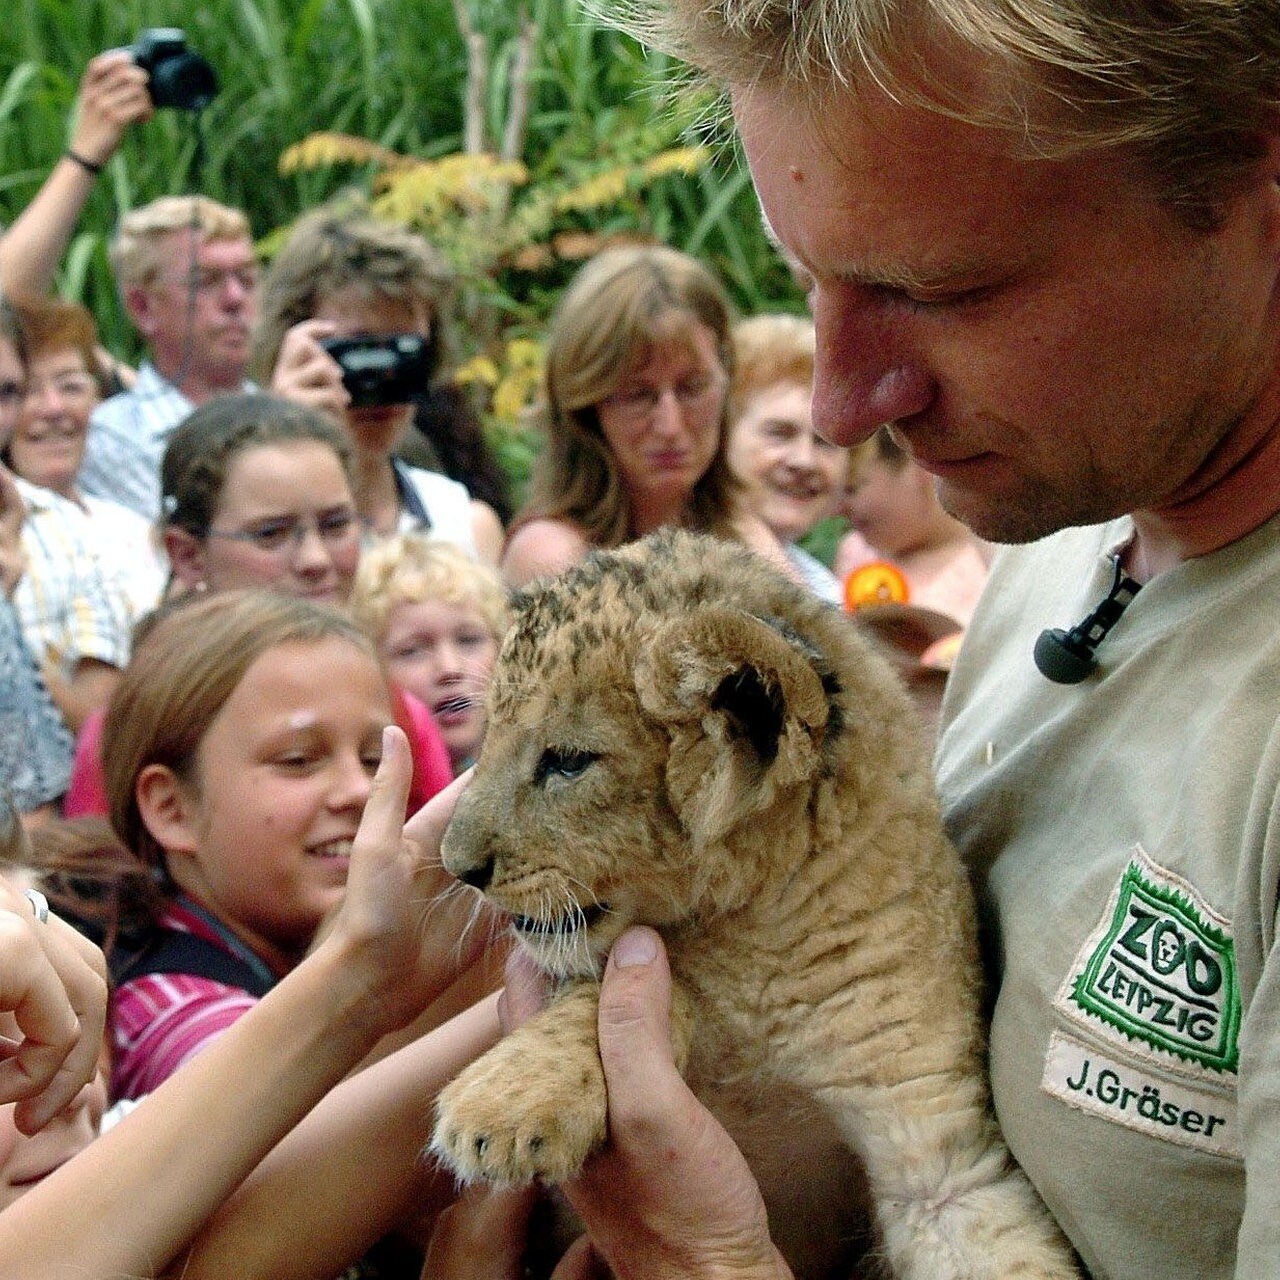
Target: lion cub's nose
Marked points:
477	877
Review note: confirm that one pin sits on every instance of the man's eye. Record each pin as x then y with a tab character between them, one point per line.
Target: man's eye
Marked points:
563	762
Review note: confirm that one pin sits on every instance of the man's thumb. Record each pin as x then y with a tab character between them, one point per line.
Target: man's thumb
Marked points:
635	1006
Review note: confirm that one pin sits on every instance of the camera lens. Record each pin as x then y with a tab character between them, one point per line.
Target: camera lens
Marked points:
187	82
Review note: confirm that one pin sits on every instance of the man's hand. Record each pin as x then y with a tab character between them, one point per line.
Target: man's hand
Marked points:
670	1196
114	94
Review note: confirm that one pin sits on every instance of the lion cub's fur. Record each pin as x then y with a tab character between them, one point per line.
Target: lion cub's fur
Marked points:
680	737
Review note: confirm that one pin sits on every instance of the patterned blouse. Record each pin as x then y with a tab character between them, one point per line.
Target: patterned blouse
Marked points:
35	747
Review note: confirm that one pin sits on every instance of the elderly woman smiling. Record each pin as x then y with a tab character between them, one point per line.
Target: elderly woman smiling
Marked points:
65	383
790	475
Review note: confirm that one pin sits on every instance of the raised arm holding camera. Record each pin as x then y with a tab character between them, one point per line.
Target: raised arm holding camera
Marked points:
113	97
119	88
355	316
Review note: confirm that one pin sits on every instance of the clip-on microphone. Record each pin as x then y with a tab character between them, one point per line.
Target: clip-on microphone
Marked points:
1067	657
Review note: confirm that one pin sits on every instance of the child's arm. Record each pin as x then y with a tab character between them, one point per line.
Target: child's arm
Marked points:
352	1171
134	1198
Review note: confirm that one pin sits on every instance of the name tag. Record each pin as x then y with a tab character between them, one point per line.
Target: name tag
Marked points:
1123	1094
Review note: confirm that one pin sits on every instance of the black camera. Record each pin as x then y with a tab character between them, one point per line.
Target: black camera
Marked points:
381	371
179	77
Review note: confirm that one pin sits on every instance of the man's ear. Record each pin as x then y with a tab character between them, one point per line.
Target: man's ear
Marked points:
186	555
745	709
137	302
166	806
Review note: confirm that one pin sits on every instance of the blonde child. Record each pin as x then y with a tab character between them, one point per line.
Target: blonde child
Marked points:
437	616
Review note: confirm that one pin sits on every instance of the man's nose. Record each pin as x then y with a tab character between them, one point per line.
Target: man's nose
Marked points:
235	292
861	379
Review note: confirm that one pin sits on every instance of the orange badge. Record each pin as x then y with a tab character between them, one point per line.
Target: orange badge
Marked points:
876	583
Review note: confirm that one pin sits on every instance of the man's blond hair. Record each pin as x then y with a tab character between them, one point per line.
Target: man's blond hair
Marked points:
1187	85
134	254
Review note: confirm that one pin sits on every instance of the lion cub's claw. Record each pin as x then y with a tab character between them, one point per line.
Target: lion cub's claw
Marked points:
506	1122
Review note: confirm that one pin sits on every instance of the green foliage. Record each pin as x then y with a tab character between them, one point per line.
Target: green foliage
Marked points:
389	71
821	541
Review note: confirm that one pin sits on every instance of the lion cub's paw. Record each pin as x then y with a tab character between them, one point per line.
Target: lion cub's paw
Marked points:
512	1117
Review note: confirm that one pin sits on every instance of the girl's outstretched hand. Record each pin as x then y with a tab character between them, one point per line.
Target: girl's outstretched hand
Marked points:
411	928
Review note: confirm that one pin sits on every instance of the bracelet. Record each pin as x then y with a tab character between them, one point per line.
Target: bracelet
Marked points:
89	166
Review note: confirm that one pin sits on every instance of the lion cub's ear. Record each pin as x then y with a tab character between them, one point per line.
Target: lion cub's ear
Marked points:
745	710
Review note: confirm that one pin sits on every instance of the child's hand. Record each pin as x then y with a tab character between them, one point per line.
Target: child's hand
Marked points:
53	982
414	929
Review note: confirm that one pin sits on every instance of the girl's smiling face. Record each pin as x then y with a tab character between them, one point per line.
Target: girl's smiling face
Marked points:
260	831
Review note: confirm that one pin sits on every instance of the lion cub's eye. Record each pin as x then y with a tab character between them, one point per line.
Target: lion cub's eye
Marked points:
563	762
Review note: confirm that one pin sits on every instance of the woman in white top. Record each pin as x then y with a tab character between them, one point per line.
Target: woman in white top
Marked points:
350	276
790	475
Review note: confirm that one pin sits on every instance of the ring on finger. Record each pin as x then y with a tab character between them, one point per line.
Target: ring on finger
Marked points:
39	904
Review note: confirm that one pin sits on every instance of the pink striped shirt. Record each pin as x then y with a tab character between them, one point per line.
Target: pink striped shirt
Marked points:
159	1020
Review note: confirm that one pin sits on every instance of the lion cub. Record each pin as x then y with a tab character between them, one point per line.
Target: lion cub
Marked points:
680	737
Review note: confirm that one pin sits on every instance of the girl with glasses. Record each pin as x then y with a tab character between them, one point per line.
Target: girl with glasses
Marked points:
256	492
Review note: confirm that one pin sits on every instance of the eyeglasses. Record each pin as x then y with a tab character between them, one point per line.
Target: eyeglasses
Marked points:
337	530
639	402
213	280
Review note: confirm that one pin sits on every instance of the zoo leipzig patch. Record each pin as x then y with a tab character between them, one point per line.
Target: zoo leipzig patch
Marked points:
1157	980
